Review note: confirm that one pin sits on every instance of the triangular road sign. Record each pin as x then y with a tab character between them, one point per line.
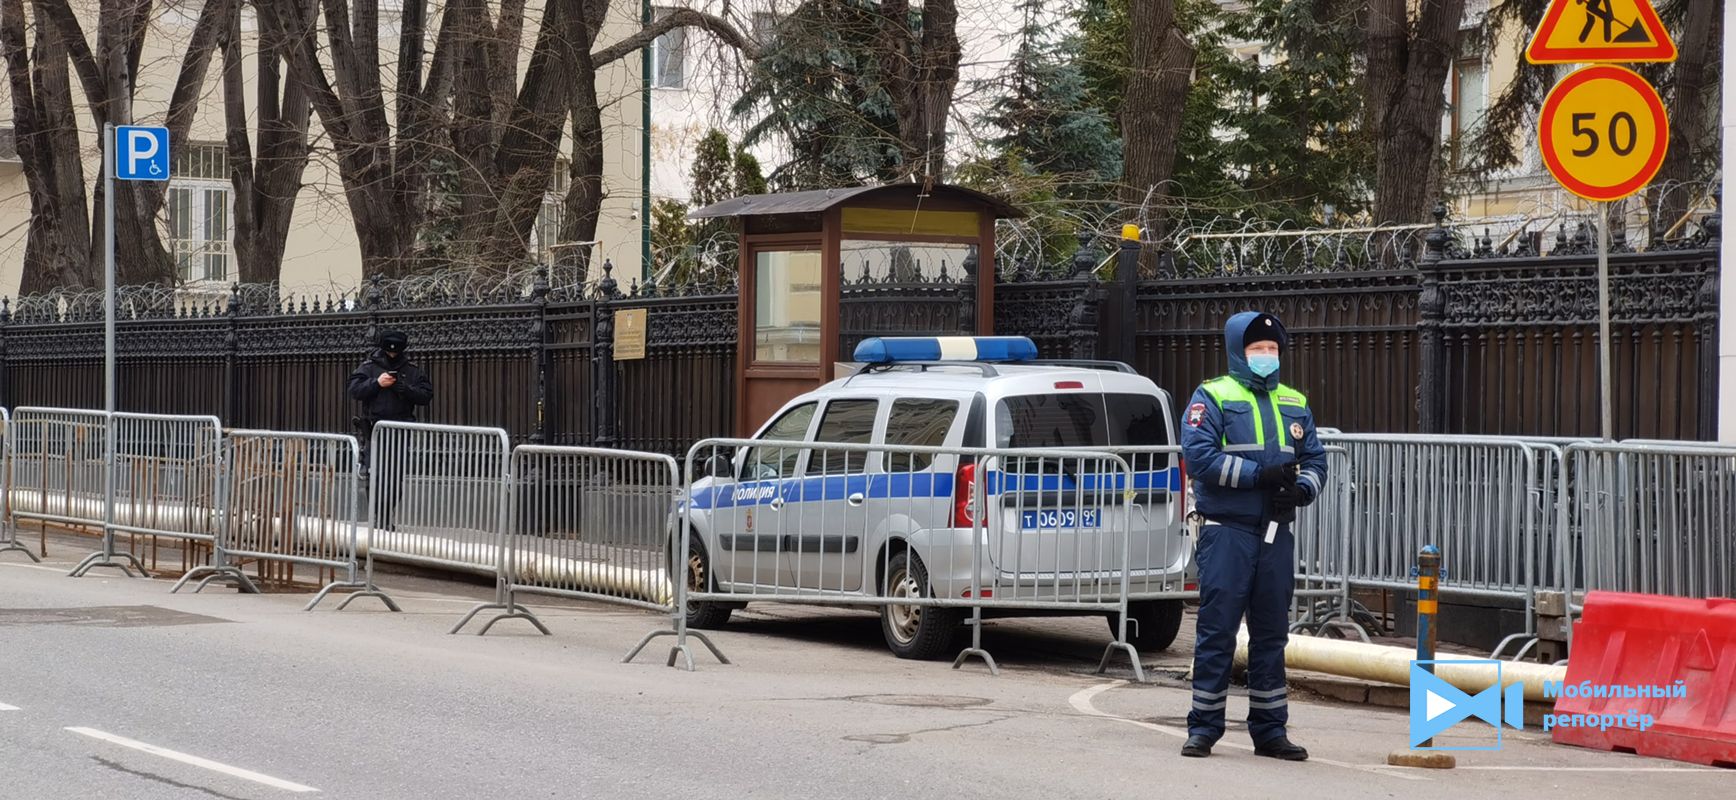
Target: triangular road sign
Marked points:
1600	31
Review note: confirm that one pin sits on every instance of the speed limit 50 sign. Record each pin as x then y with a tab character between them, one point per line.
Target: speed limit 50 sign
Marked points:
1603	133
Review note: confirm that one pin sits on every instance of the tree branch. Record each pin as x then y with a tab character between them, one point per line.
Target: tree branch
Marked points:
72	37
679	18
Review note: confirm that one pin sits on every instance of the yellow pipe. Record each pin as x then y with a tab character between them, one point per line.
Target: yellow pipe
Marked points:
1388	664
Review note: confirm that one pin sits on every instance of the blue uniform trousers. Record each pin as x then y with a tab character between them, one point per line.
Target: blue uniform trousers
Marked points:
1241	574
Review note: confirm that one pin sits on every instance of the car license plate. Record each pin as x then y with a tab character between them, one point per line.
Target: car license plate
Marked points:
1063	518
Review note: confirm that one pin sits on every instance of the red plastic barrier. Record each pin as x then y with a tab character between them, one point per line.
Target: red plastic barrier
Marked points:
1627	641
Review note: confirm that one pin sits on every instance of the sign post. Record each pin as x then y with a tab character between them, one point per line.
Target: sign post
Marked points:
1602	132
129	153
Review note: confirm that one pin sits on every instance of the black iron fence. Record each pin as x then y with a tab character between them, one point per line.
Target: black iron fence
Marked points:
1465	339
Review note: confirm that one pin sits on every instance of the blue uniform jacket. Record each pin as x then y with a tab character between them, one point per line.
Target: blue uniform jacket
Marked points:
1241	422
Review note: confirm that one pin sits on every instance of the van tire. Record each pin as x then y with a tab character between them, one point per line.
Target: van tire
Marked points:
703	615
917	632
1152	625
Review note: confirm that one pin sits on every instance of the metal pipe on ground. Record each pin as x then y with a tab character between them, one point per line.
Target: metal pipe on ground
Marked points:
1376	662
423	549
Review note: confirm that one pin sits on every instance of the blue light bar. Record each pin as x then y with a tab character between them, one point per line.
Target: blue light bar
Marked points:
890	350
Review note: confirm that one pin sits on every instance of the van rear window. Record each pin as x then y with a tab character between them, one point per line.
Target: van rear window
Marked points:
1081	420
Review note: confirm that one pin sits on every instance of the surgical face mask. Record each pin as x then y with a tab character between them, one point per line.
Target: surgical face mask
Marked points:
1263	365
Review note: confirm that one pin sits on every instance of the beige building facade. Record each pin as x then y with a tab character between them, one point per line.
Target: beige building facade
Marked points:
322	255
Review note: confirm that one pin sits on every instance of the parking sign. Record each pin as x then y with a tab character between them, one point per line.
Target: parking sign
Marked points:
141	153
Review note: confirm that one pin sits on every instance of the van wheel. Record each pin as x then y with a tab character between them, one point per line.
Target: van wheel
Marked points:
1151	625
919	632
702	614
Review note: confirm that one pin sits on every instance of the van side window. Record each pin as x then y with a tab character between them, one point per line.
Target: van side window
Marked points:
767	462
845	422
917	423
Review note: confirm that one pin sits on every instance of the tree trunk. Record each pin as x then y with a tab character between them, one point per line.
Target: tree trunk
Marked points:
57	250
266	187
1157	84
583	205
1407	72
920	73
1687	111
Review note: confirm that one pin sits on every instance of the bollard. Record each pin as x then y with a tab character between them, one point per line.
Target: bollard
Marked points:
1428	605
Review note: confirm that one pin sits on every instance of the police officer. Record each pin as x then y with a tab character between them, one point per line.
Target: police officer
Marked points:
390	387
1253	457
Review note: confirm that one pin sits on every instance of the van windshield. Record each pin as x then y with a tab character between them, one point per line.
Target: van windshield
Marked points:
1081	420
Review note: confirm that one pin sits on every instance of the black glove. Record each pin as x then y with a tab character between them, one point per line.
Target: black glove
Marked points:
1285	499
1278	475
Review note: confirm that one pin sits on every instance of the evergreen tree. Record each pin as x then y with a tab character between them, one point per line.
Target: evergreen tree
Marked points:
1043	113
749	178
822	91
1053	154
1275	140
672	242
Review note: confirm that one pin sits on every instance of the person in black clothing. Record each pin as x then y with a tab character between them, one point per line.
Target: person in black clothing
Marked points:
389	387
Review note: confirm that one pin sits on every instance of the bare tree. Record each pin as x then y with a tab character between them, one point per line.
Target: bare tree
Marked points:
266	184
61	249
465	104
1408	62
921	87
1157	86
57	250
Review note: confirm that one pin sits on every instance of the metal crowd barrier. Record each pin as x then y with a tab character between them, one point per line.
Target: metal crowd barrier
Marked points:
590	523
1477	498
57	468
293	499
883	526
1649	517
1322	600
167	484
437	497
8	524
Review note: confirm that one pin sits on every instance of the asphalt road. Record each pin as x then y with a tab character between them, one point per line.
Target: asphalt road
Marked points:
114	688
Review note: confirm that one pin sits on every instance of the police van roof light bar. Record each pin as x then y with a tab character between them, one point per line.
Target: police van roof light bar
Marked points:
897	349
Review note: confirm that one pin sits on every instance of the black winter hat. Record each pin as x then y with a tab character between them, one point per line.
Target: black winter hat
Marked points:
394	341
1264	329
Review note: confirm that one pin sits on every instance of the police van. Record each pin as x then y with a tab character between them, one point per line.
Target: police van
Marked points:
776	520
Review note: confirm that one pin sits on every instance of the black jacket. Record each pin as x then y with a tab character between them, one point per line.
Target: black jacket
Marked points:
397	403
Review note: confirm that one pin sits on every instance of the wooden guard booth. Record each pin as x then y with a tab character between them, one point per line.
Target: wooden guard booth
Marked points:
795	250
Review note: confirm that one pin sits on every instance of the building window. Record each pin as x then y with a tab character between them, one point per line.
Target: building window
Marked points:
200	224
548	218
1469	94
668	55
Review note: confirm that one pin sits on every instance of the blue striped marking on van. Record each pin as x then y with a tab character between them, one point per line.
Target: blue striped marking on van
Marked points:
914	486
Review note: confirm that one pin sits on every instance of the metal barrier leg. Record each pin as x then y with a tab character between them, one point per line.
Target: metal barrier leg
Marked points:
511	610
1123	645
366	585
680	649
1132	657
366	590
242	583
12	544
976	644
103	559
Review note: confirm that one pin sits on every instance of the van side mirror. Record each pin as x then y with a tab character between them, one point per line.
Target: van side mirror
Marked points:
720	465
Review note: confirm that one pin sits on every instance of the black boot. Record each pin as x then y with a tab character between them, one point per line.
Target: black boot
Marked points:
1197	747
1281	748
